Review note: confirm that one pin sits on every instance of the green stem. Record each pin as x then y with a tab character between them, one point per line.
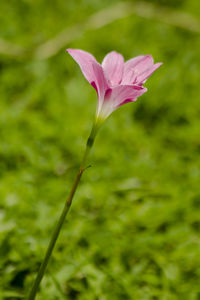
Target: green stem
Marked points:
63	215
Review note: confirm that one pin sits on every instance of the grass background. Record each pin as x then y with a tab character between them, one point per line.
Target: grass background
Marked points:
134	228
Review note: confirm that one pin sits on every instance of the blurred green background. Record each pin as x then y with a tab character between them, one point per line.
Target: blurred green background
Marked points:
134	228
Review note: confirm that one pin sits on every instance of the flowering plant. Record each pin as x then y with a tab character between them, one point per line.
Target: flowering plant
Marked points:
116	83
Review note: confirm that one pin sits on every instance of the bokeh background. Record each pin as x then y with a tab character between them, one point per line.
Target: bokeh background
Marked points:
134	229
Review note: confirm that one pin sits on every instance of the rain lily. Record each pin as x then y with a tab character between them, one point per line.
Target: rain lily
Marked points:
115	81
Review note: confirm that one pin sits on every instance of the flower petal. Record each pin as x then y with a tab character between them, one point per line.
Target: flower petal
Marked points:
134	67
143	77
91	69
85	61
100	81
113	66
126	93
118	96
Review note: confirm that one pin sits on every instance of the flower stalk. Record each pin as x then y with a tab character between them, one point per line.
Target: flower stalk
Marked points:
64	213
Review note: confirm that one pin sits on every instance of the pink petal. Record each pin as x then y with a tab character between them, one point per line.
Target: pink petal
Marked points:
100	81
85	61
122	94
143	77
91	69
134	67
113	66
117	96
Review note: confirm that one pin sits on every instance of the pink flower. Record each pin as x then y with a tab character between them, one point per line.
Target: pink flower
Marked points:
116	82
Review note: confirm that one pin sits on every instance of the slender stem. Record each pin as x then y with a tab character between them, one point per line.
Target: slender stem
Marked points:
63	215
